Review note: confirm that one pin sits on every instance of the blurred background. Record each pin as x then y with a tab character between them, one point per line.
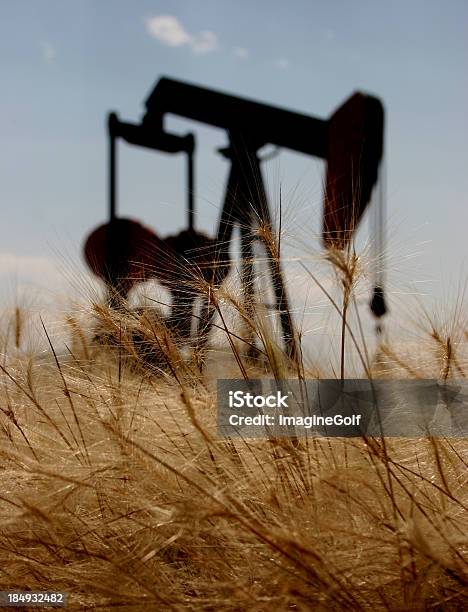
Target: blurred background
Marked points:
65	64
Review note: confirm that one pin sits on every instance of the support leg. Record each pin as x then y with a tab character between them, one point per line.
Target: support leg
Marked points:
180	320
248	281
262	212
221	263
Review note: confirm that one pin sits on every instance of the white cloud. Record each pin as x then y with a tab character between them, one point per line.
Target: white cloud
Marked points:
282	63
169	31
241	52
48	51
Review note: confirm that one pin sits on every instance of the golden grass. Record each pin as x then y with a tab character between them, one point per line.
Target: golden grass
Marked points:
116	488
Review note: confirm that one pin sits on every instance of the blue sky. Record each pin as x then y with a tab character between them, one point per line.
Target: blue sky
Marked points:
65	64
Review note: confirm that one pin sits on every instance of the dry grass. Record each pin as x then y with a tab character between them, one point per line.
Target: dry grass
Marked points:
116	488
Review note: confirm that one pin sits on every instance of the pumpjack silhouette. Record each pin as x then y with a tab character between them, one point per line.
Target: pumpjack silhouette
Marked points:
123	252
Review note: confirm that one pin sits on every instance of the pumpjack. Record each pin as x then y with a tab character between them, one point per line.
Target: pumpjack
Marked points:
123	252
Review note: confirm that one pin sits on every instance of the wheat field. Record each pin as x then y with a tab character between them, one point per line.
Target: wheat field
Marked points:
117	489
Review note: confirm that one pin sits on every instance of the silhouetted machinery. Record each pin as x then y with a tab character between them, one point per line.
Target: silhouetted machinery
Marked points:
124	252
